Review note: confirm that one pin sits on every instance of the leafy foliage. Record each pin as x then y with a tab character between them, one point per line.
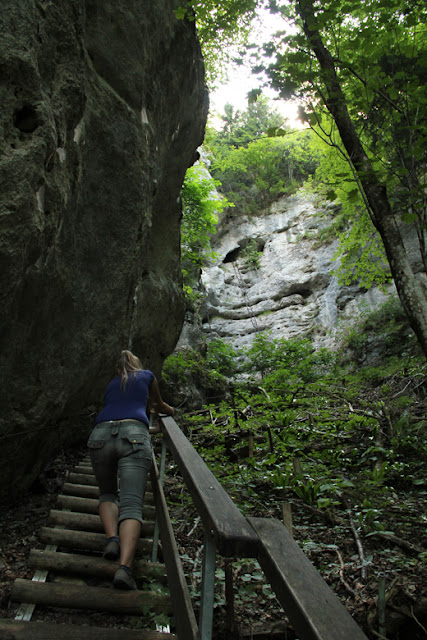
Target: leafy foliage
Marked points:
254	175
342	442
179	366
387	324
201	206
251	255
283	361
221	357
360	255
359	69
242	127
221	24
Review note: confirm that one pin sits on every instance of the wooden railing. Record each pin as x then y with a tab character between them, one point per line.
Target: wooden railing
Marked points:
312	607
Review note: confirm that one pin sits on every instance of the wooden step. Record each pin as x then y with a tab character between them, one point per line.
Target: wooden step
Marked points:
89	522
84	468
90	505
81	490
18	630
84	540
89	479
82	505
88	491
82	478
72	596
89	566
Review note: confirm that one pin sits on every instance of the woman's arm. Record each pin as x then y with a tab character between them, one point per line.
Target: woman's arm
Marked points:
155	400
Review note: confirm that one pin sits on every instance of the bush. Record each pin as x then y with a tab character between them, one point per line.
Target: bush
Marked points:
221	357
282	359
384	331
189	375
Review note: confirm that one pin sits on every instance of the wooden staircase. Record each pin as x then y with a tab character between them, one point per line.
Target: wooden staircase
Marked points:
74	552
71	573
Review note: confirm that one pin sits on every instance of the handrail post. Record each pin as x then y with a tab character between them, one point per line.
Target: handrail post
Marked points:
156	526
208	587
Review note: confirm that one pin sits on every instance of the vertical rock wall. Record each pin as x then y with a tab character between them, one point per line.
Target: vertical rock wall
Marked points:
291	291
103	105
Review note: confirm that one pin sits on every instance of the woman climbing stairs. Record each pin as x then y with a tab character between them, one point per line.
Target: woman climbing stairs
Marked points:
70	573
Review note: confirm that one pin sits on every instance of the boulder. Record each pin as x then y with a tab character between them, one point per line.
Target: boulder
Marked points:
103	107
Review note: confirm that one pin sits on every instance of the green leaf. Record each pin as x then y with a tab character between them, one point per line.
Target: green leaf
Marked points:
180	13
409	217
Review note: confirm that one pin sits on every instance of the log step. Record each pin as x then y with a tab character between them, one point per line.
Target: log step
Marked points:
92	567
71	596
90	505
82	505
18	630
83	540
89	522
88	491
81	490
89	479
82	478
84	469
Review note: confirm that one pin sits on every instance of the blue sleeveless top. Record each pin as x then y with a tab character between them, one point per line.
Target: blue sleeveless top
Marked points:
131	402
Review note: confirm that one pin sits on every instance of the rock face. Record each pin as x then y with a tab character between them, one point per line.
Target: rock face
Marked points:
103	108
287	288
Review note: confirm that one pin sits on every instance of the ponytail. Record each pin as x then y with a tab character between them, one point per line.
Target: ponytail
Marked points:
128	364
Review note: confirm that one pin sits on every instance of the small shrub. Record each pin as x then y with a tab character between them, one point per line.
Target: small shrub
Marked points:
251	256
221	357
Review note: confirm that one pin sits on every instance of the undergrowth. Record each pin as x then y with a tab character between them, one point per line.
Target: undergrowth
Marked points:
343	444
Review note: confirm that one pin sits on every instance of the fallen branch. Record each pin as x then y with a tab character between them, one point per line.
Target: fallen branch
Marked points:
342	579
417	621
364	568
404	544
196	523
198	412
403	613
265	393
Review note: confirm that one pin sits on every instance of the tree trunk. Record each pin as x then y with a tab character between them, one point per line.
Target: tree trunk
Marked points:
412	292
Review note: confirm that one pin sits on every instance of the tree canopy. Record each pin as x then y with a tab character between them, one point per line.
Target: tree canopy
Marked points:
221	26
242	127
359	71
257	158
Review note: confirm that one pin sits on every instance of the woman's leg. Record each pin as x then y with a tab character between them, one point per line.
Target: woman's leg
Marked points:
104	462
133	468
109	513
130	531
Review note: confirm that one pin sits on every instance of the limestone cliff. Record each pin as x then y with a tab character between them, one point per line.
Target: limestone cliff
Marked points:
290	290
103	105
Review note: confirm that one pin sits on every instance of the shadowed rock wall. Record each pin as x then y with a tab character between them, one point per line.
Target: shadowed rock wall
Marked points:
103	105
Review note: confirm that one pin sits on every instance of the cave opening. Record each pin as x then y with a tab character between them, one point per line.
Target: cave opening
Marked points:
26	119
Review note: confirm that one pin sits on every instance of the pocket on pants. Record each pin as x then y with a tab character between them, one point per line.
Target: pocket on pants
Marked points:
138	445
95	444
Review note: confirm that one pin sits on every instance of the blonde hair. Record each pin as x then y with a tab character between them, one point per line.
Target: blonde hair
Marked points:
128	364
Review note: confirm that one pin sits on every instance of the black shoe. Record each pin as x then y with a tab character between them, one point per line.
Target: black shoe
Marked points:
122	580
112	550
